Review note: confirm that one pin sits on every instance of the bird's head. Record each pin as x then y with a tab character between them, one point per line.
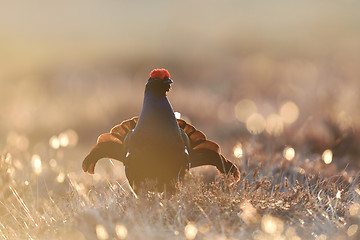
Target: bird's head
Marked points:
159	82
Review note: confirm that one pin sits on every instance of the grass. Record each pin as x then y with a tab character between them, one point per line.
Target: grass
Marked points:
275	199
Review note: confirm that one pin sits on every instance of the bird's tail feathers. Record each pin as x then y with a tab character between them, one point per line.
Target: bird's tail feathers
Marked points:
109	145
206	152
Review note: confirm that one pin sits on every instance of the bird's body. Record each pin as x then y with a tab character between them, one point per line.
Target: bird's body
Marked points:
157	146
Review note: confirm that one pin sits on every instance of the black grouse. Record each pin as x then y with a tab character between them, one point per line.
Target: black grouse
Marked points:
156	146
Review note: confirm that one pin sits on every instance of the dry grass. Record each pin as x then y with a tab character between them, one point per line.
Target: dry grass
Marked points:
275	199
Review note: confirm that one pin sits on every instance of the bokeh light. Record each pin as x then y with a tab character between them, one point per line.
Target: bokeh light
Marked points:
36	164
274	125
238	150
190	231
289	153
53	163
354	209
121	231
54	142
101	232
289	112
327	156
61	177
249	214
272	225
244	109
63	139
255	124
352	230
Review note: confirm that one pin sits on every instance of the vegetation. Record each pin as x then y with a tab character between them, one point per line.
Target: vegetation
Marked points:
275	199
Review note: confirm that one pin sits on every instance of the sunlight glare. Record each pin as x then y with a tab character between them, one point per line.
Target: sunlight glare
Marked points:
327	156
177	115
255	123
289	153
36	164
289	112
121	231
244	109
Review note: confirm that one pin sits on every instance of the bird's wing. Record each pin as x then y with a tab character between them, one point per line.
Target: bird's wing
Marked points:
109	145
206	152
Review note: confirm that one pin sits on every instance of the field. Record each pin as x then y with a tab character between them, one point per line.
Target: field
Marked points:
276	86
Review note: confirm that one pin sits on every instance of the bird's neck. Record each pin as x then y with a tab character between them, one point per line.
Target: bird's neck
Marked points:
156	114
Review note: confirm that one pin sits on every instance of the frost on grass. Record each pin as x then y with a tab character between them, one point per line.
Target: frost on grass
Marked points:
273	200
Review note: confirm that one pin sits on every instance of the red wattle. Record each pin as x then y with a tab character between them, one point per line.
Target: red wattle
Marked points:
159	73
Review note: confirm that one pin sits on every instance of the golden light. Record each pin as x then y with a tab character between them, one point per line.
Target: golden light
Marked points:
36	164
321	237
63	139
54	142
61	177
272	225
289	112
101	232
121	231
327	156
244	109
72	137
289	153
238	151
249	214
274	125
52	163
354	209
255	123
352	230
357	191
190	231
177	115
338	194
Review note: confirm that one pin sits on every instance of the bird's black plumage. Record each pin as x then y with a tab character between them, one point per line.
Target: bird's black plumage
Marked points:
155	149
157	146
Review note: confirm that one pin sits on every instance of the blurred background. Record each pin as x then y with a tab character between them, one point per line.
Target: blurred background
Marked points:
256	74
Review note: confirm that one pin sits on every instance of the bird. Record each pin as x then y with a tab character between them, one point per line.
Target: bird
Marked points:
156	146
